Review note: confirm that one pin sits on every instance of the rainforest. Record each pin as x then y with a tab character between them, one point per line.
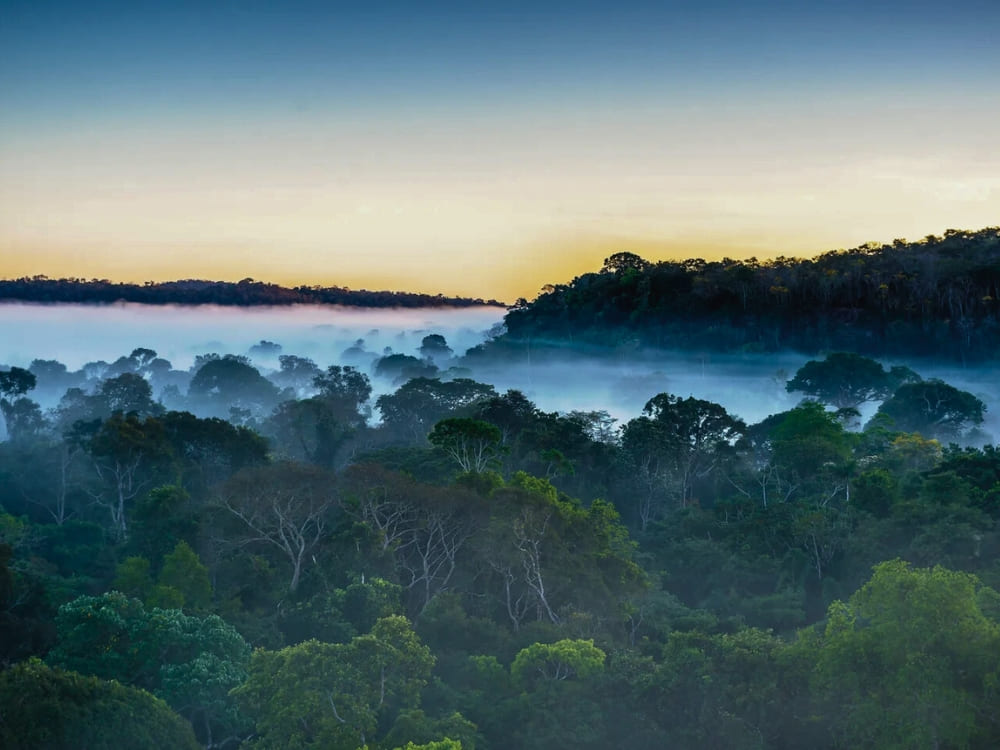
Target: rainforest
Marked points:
679	504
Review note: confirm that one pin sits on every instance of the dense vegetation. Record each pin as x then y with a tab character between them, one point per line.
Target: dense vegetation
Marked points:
936	297
200	292
232	556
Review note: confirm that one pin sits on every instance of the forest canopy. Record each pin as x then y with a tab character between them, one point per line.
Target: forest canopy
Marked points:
399	555
939	296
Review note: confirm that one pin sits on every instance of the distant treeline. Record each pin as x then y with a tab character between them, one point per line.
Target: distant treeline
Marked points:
247	292
938	296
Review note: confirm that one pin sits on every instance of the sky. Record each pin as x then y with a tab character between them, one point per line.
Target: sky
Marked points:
484	149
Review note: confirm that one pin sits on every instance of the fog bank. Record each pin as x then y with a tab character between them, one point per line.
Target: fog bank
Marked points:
751	386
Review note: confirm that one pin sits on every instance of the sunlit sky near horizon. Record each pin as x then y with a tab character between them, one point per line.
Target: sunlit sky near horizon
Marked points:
484	149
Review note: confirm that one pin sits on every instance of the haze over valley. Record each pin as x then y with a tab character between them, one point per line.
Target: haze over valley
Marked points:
500	376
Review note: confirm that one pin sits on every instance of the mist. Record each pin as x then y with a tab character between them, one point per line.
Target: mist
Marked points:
751	386
77	334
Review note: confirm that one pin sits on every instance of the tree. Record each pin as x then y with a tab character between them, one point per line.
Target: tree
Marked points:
16	382
624	261
512	412
297	373
422	402
227	382
934	409
909	661
345	390
21	415
52	708
557	661
445	744
208	451
129	393
333	695
402	367
125	451
160	520
414	730
423	527
183	572
311	430
435	347
713	690
843	379
53	376
283	506
472	443
804	451
551	558
191	662
599	425
23	418
674	445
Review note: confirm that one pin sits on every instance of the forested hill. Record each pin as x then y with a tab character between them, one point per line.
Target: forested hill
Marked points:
198	292
938	296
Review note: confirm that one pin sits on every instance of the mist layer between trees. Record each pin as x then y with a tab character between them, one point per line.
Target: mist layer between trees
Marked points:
521	546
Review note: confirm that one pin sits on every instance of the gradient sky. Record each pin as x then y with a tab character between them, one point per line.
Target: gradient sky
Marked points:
483	149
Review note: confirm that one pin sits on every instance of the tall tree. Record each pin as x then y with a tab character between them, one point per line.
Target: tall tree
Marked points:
285	507
126	453
327	695
934	409
191	662
473	444
674	445
910	661
843	379
52	708
422	402
21	415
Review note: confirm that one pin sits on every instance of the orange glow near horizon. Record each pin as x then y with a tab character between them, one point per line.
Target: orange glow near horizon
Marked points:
484	153
486	206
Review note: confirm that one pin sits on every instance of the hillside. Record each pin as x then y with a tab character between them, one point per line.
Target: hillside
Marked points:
939	296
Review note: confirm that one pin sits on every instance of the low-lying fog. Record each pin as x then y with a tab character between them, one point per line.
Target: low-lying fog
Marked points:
750	386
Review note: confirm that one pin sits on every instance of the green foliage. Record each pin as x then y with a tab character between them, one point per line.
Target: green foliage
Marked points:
191	662
128	393
546	622
536	486
910	661
342	614
132	578
557	661
230	381
161	519
422	402
334	695
52	709
674	448
414	726
183	571
403	367
445	744
876	491
344	390
934	409
553	559
715	690
473	444
784	303
843	379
